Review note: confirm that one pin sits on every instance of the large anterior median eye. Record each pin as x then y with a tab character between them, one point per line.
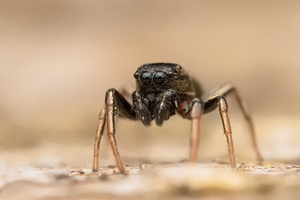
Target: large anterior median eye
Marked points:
145	78
159	78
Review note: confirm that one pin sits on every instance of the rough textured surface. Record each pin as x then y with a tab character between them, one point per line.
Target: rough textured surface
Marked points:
46	178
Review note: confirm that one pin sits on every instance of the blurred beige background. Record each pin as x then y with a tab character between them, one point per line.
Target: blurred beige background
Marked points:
58	58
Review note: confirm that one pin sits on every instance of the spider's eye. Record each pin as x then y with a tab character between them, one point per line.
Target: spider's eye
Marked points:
177	70
145	78
159	78
170	74
136	75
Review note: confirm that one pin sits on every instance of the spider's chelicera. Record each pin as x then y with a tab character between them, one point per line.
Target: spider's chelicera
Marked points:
162	90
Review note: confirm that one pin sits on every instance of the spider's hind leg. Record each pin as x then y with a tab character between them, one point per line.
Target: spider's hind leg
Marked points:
194	113
99	133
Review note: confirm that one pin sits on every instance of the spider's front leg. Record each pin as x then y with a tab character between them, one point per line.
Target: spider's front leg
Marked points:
217	99
115	105
220	101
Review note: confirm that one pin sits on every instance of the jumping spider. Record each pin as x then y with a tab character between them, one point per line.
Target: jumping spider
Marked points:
162	90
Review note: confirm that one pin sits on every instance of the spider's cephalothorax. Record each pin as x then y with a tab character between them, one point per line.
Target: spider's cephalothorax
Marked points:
159	77
162	90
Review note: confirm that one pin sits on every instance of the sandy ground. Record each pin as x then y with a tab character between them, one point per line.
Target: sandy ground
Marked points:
156	167
55	178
